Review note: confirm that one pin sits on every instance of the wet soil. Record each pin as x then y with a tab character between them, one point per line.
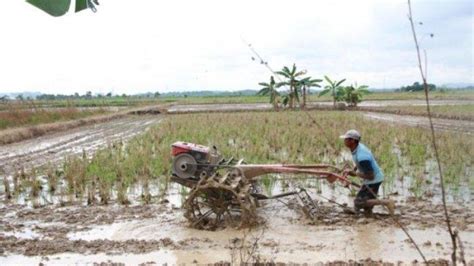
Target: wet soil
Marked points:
54	148
159	233
460	126
186	108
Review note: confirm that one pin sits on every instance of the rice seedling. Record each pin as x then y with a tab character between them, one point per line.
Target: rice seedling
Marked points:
122	185
266	137
91	190
6	186
16	184
417	184
36	189
52	175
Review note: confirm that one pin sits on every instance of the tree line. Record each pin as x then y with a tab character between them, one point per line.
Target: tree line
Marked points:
298	83
417	87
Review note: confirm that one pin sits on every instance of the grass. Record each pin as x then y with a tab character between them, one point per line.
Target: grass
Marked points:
463	112
420	95
136	101
436	95
259	137
19	117
80	102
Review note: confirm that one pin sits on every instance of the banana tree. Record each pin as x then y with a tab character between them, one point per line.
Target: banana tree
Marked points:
270	89
292	83
57	8
334	87
353	94
308	83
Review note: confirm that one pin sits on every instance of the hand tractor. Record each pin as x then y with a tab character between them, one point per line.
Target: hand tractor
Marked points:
224	191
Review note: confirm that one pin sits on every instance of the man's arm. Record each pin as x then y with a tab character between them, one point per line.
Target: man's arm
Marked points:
366	171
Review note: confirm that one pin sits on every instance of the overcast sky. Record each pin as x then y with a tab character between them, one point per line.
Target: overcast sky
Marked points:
149	45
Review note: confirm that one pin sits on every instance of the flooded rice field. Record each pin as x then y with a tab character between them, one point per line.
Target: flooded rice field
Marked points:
460	126
187	108
158	233
53	148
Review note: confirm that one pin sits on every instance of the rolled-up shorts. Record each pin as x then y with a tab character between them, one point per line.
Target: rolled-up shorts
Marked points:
365	193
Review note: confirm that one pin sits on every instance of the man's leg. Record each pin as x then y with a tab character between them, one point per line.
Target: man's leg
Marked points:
360	202
367	199
387	203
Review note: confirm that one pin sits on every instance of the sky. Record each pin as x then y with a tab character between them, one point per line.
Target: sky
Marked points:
148	45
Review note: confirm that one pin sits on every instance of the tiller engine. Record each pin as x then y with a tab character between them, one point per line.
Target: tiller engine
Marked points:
224	192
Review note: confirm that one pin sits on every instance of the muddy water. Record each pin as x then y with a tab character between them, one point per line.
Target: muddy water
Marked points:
159	234
412	103
460	126
287	238
55	147
265	106
190	108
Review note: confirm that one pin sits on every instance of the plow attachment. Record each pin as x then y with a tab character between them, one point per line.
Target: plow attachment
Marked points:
224	192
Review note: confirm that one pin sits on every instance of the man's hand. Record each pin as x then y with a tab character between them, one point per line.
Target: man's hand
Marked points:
349	172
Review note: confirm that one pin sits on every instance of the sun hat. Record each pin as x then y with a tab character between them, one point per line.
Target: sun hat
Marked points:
351	134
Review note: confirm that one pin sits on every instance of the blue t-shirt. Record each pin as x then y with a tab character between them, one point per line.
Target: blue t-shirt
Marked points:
362	153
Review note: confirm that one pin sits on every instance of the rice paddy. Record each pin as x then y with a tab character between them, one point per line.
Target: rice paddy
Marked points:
120	170
18	117
462	111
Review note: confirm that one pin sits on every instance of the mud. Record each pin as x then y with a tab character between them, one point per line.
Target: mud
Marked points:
147	232
158	233
190	108
460	126
55	147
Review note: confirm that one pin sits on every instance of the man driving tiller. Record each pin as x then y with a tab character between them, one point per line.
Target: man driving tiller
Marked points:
369	171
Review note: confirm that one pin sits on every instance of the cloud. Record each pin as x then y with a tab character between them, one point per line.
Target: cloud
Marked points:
188	45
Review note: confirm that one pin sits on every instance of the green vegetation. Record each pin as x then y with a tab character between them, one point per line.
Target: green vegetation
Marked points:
334	88
464	112
293	84
46	101
353	94
60	7
419	95
78	102
262	137
417	87
270	89
28	117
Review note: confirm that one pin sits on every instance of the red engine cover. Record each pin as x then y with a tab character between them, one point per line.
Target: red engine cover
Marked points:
185	147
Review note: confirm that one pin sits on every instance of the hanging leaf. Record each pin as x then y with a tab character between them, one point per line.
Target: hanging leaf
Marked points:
81	5
55	8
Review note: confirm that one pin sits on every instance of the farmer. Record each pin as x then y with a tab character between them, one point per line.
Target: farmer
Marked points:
369	171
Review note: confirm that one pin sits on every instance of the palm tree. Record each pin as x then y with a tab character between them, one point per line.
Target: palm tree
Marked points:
308	83
334	87
353	94
291	82
269	89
